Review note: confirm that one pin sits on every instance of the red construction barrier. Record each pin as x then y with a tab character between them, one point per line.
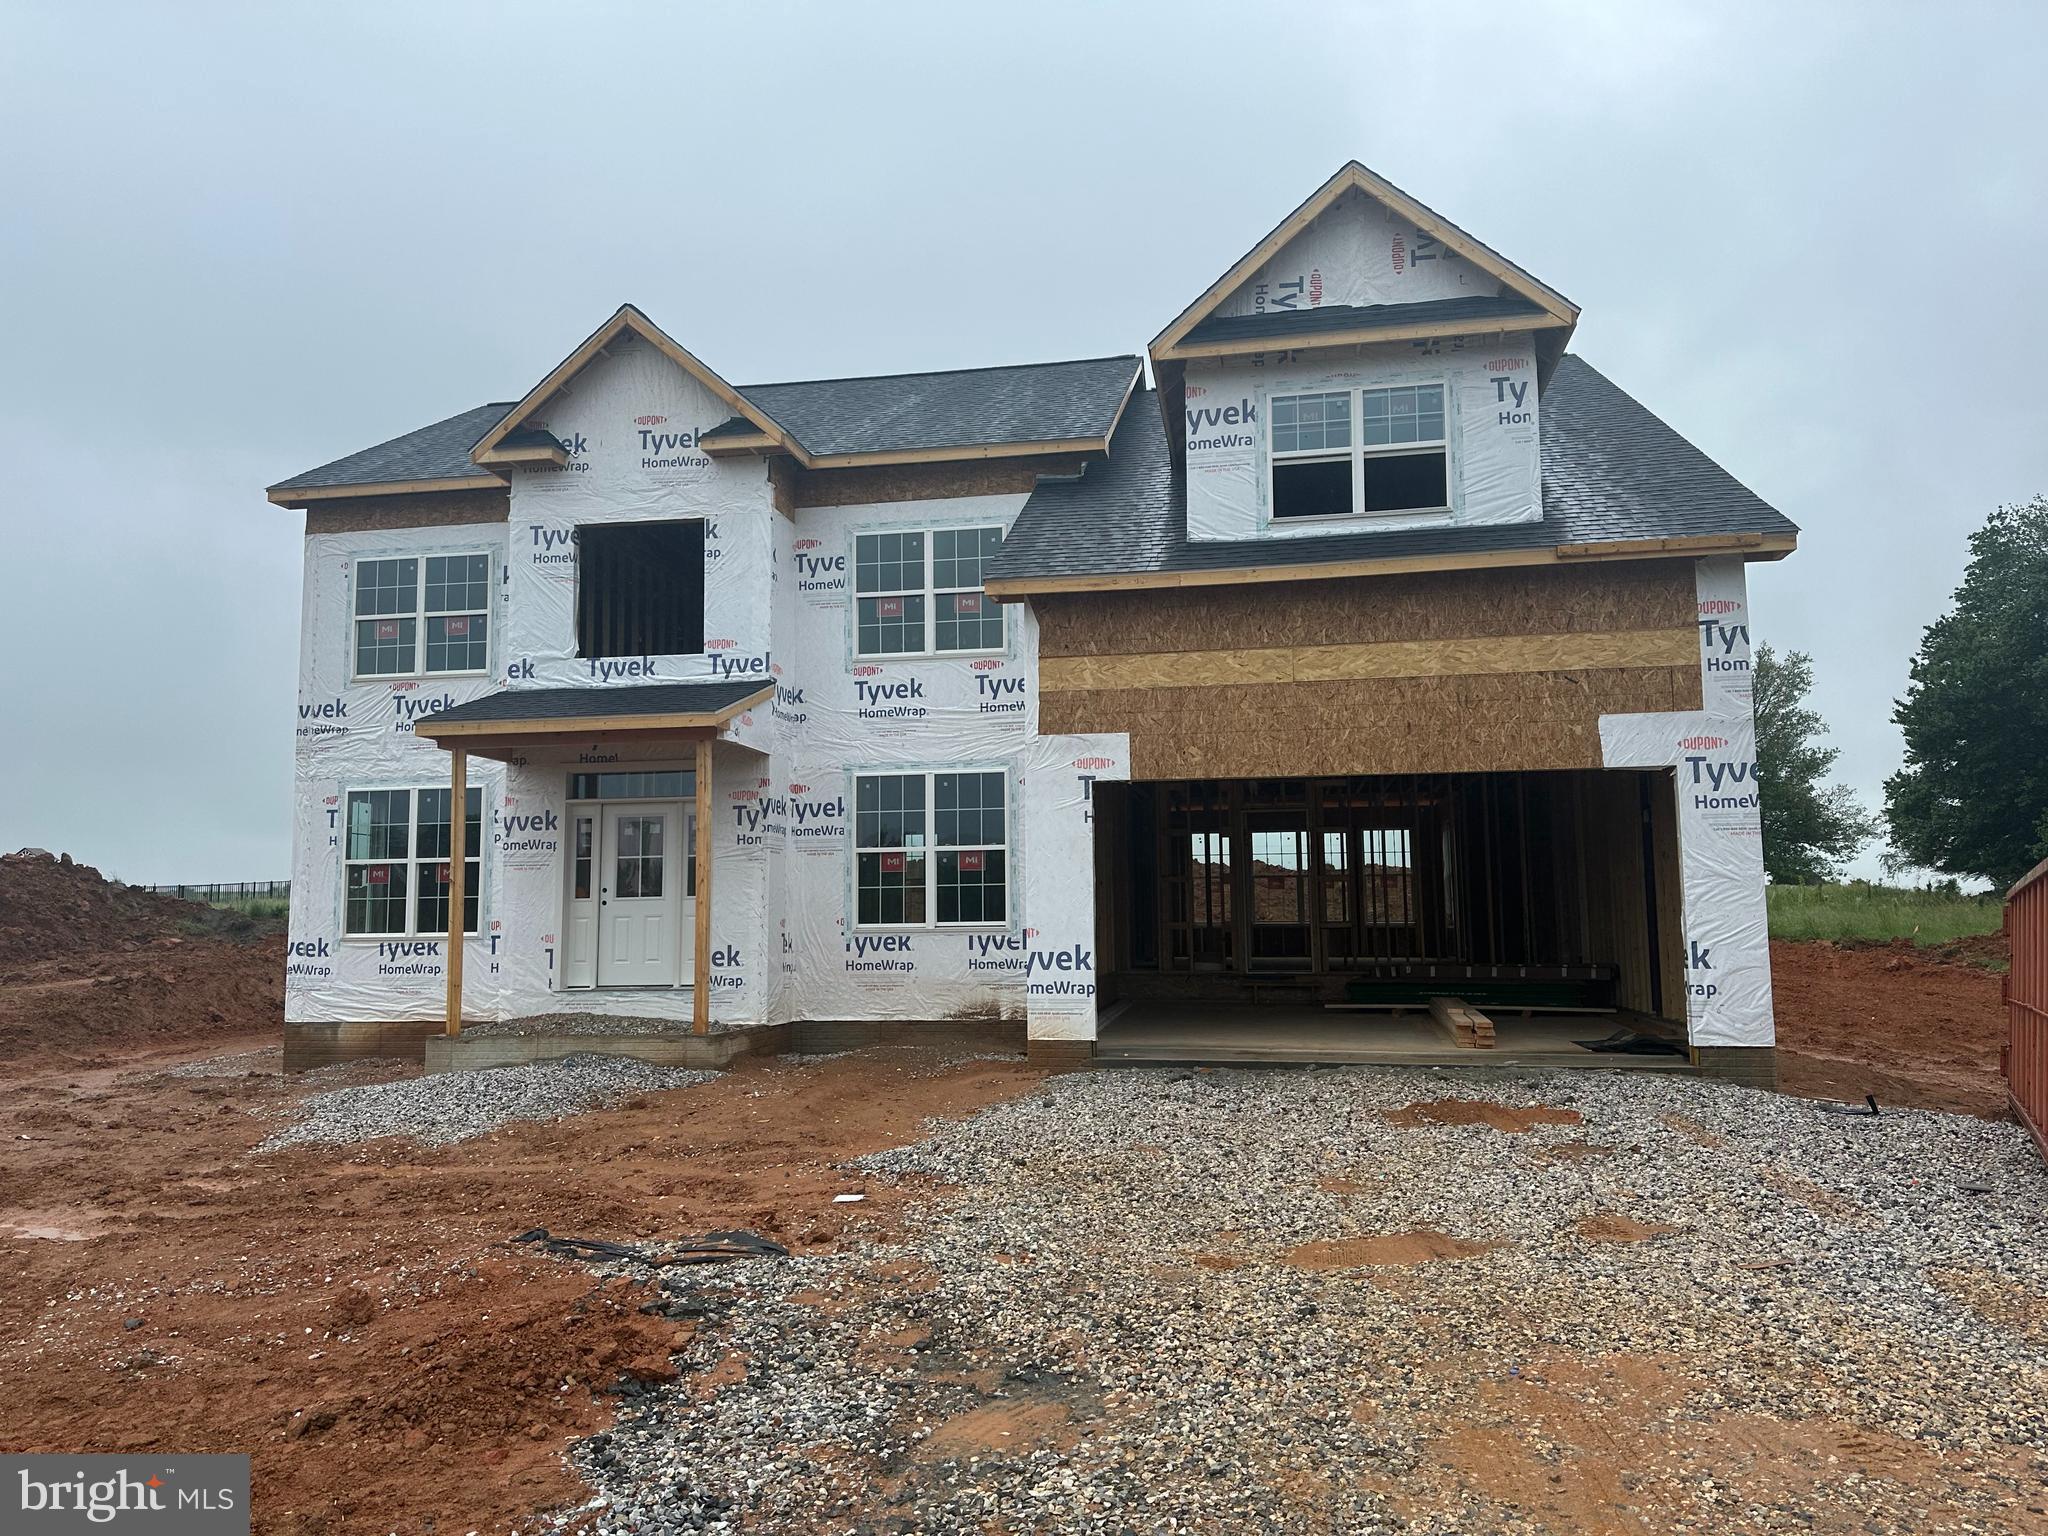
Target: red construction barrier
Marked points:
2024	1058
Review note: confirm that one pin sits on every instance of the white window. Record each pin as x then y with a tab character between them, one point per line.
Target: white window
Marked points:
1356	452
919	593
395	868
423	616
930	850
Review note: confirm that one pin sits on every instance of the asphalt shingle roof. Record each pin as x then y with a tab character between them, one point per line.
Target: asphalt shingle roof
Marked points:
1282	324
439	452
581	703
1611	471
1029	403
971	407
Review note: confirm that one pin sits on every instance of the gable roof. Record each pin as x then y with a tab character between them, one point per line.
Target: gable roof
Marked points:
434	458
1617	481
1046	407
1352	176
965	413
626	318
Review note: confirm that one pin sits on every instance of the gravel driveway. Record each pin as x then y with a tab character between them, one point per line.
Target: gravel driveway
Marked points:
1354	1300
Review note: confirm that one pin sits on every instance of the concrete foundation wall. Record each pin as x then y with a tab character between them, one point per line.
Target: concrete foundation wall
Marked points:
1755	1066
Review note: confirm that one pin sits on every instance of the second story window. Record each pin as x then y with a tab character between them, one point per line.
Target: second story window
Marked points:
640	589
919	593
423	616
1347	453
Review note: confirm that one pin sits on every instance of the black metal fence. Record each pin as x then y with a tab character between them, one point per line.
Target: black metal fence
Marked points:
227	893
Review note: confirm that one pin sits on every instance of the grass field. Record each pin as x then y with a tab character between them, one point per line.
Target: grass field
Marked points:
1861	911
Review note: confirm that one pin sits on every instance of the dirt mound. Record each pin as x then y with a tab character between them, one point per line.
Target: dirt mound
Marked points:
1913	1026
84	1008
50	906
90	966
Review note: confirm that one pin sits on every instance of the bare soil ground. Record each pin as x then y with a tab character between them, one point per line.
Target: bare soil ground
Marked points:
1914	1026
356	1318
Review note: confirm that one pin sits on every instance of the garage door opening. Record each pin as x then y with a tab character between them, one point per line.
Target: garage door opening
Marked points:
1422	912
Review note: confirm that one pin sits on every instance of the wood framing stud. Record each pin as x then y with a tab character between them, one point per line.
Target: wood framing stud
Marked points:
458	870
700	961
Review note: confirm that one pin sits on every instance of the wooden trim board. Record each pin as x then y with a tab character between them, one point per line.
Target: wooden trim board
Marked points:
1352	176
1751	545
1395	658
1367	337
629	318
579	725
299	496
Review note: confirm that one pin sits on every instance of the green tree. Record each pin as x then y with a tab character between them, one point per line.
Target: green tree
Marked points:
1808	827
1972	798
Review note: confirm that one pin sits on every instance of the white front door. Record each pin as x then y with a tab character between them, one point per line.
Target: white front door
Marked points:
628	915
640	893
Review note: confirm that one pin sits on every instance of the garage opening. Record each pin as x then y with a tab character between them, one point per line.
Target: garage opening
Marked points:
1447	911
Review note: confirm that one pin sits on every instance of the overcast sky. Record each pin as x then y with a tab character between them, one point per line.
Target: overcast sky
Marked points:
236	243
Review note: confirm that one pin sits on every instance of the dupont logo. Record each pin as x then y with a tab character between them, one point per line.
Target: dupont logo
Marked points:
799	789
649	421
868	671
1094	762
720	645
743	794
803	544
1714	607
987	664
1701	743
1399	252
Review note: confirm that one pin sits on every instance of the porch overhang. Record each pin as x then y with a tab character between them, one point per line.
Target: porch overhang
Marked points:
515	720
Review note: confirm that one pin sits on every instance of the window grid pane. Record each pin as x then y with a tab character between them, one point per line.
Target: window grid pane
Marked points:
888	562
386	647
1410	415
1311	423
891	626
387	587
458	643
458	583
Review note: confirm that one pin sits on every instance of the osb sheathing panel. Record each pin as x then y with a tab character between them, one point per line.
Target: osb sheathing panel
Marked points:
1467	655
1428	605
425	509
860	485
1454	722
1470	724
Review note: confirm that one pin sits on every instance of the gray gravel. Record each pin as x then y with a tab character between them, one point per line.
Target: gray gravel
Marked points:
1847	1331
445	1107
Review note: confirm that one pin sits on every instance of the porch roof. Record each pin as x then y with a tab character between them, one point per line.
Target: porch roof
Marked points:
644	708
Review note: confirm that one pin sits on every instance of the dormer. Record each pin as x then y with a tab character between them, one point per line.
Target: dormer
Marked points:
1368	365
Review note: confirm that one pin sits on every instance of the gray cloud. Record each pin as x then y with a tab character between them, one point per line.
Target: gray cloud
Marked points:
239	242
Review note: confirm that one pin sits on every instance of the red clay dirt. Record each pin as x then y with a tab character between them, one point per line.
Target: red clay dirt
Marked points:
1915	1027
90	968
355	1317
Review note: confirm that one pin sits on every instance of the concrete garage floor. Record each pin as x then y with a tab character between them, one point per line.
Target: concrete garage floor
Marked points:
1156	1032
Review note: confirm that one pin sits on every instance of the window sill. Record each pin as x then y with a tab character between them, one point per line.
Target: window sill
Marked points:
414	677
400	938
881	657
1339	519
